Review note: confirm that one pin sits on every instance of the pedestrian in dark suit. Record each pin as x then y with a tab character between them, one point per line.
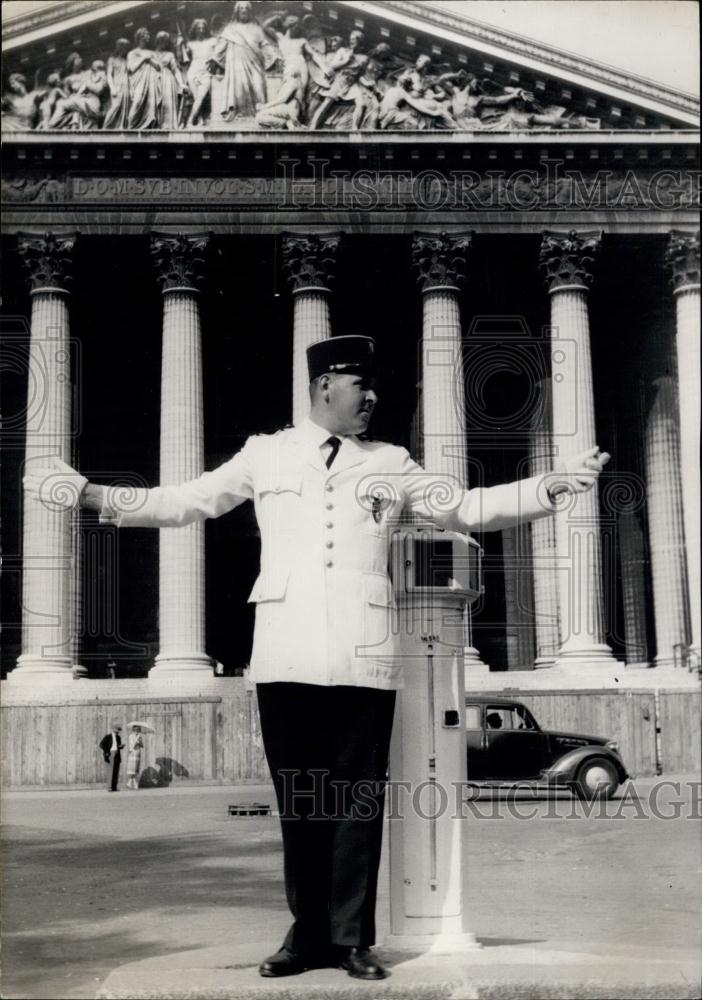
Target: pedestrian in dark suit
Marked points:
111	746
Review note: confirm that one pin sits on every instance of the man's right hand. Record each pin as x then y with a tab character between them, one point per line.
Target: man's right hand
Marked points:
55	484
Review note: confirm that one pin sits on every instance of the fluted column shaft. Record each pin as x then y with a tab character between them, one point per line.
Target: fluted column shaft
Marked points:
543	540
311	322
47	556
519	631
181	550
632	560
665	522
687	302
426	888
443	415
683	260
309	263
567	260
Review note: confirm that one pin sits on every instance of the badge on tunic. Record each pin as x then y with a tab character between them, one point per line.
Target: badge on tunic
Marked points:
378	506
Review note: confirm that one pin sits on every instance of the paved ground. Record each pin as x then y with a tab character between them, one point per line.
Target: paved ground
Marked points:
562	902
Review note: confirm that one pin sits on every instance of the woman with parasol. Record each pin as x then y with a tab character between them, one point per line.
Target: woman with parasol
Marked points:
135	746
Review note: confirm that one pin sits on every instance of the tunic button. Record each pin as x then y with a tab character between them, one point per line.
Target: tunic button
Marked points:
329	488
330	506
330	524
329	563
330	545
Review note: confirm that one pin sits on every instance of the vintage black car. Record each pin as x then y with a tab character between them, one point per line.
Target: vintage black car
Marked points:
506	746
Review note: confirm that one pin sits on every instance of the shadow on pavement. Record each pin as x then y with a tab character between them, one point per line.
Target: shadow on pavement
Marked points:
75	908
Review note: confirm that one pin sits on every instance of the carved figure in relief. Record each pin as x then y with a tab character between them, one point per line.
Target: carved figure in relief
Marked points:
117	115
82	109
198	53
522	111
470	103
218	75
371	87
19	105
345	66
328	47
300	60
400	109
171	83
417	75
46	189
243	52
52	92
144	70
424	99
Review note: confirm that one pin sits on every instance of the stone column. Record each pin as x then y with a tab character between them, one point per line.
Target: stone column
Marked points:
683	259
665	522
426	885
543	538
439	262
77	581
519	597
566	260
47	556
633	567
309	263
179	261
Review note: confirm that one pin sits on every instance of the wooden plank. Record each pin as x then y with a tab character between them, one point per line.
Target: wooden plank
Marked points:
628	717
680	724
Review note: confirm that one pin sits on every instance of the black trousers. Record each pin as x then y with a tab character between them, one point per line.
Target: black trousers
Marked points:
327	750
114	763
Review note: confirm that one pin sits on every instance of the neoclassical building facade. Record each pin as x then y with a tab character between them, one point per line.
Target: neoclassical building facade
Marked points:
195	192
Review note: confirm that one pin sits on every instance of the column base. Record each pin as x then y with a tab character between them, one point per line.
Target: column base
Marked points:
182	663
433	944
31	669
473	661
544	662
597	655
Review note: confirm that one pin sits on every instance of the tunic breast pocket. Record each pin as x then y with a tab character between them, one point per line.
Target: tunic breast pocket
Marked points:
283	484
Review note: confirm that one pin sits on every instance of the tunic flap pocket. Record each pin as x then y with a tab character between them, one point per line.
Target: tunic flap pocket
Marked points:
280	482
377	590
271	585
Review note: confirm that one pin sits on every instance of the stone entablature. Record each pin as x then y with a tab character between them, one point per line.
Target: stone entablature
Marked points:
258	66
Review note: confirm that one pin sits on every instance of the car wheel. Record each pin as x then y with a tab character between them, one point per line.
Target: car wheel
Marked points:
597	779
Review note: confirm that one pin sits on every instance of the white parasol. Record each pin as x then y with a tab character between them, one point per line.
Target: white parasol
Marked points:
144	726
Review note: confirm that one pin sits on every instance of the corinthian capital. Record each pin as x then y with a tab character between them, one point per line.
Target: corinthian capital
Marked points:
439	259
682	259
179	260
567	259
310	261
47	259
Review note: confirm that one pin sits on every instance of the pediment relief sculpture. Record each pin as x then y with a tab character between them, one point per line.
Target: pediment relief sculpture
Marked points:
245	71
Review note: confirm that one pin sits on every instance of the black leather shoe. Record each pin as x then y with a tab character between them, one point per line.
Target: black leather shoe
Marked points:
361	963
288	963
283	963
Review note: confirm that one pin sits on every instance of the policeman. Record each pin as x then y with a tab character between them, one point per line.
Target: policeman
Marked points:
324	659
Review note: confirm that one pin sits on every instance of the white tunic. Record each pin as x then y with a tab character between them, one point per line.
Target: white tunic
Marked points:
323	596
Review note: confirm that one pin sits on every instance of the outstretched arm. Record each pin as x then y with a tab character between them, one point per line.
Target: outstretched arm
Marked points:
494	508
210	495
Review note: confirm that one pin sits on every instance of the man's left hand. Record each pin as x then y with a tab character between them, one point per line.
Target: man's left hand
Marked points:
576	473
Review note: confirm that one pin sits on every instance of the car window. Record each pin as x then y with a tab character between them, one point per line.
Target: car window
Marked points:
474	718
499	717
525	720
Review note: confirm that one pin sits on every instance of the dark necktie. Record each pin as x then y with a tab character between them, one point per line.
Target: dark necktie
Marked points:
335	443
